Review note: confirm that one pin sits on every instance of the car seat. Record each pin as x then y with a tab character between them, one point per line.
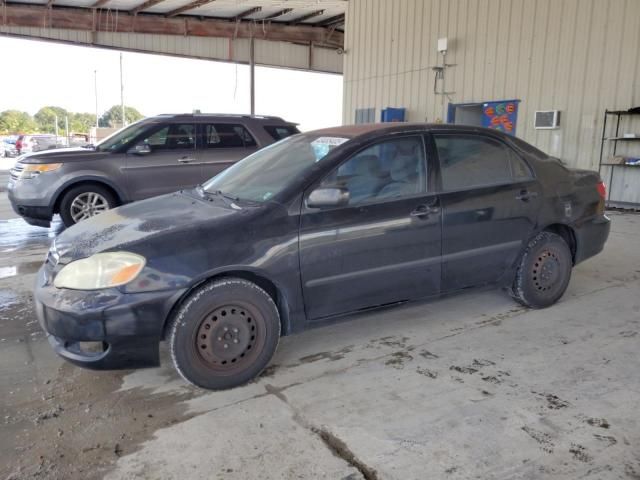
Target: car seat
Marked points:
404	174
366	179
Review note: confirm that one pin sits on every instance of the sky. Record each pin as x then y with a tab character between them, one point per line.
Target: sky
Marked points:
41	73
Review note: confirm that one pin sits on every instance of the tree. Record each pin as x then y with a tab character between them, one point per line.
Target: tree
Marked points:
14	121
81	122
46	119
113	117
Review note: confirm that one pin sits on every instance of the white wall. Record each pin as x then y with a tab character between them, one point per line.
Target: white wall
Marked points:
577	56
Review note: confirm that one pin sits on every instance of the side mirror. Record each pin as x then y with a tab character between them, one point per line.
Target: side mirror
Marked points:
140	149
328	197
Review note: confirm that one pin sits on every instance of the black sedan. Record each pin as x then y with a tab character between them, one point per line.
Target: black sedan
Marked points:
316	226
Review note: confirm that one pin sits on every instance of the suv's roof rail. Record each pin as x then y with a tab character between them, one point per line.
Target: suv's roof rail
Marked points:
226	115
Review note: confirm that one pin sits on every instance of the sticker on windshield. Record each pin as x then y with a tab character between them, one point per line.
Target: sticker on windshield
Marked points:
332	141
322	145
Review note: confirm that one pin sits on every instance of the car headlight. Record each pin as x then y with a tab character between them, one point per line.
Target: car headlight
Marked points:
102	270
32	170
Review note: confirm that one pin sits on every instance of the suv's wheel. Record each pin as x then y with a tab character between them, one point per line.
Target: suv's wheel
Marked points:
85	201
544	271
224	334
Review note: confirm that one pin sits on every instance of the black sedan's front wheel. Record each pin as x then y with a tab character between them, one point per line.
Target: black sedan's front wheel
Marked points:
544	271
224	334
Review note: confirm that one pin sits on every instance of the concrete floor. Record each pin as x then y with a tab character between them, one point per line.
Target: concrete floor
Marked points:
469	386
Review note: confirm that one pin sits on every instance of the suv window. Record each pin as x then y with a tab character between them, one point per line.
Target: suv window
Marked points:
472	160
390	169
278	132
223	135
172	137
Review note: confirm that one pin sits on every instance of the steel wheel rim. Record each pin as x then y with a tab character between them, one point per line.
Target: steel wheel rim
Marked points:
87	205
546	272
230	337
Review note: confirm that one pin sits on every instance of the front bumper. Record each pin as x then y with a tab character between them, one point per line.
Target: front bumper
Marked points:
591	237
33	213
127	326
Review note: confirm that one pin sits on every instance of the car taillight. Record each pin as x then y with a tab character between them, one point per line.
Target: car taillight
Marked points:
602	190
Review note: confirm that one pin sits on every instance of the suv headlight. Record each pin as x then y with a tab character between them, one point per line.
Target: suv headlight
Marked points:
32	170
102	270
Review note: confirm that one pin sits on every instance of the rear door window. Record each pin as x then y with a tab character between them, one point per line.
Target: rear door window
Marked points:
278	132
226	135
468	161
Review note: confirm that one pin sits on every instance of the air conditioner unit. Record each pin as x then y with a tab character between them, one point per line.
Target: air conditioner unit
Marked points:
547	119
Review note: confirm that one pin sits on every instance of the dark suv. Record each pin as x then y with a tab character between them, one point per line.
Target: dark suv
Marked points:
151	157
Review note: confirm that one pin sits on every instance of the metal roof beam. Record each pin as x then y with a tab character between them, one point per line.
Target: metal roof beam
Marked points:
187	7
331	21
301	19
144	6
100	3
83	19
277	14
246	13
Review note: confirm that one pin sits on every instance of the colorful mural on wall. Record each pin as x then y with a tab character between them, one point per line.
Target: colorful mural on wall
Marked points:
501	115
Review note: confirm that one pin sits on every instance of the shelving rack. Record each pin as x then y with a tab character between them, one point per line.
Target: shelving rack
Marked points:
631	181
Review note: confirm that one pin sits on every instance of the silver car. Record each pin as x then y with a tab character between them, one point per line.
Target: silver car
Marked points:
151	157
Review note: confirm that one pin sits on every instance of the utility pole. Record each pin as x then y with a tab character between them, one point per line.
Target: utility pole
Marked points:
95	85
124	118
252	76
66	129
55	115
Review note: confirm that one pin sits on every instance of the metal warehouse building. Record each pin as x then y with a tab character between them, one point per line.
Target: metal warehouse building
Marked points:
577	57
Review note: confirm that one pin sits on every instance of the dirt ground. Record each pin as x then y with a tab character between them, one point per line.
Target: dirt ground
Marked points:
469	386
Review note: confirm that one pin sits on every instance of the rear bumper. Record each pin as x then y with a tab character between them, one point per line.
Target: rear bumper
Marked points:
591	237
126	328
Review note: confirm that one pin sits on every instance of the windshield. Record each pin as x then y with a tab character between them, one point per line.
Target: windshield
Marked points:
261	176
122	137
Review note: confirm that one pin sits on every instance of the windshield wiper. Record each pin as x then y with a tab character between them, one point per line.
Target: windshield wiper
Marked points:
227	199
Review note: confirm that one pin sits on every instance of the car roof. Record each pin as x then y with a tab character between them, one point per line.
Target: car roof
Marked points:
358	130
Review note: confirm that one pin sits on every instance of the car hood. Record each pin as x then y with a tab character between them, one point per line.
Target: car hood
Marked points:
63	155
139	222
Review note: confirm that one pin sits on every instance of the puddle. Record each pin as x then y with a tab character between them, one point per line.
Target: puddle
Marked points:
17	235
21	269
7	299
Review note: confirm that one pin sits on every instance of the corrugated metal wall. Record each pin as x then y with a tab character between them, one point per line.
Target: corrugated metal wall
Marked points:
276	54
577	56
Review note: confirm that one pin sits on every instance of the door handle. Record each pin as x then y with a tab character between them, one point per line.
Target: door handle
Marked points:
526	195
186	159
424	211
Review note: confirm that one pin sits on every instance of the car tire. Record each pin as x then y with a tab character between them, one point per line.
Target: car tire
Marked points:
96	198
544	271
224	334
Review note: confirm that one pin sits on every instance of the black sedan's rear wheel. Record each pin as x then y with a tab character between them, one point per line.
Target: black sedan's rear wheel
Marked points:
544	271
224	334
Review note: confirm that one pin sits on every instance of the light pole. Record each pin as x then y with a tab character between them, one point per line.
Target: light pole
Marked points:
95	85
124	119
